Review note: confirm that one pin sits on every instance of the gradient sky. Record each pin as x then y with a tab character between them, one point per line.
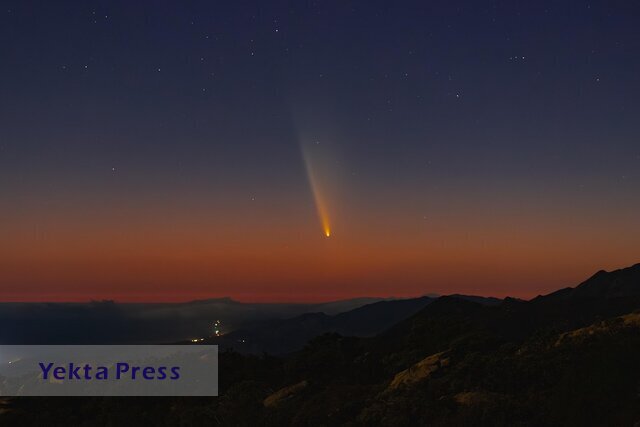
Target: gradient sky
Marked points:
167	151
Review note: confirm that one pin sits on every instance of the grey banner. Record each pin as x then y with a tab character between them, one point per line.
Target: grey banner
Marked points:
108	370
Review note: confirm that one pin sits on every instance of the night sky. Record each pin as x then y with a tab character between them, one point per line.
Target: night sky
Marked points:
167	151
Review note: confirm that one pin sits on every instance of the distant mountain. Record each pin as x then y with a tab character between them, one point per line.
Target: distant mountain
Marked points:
281	336
480	300
341	306
286	335
569	358
330	307
109	322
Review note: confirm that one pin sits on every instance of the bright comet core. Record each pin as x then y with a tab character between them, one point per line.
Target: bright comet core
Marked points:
317	190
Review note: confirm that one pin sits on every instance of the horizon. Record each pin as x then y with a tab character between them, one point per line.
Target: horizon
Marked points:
310	301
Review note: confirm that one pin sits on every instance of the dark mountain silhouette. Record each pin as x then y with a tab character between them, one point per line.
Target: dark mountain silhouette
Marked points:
286	335
281	336
620	283
478	299
569	358
616	284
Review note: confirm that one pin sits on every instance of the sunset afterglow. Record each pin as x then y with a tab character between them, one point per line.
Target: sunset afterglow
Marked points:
199	158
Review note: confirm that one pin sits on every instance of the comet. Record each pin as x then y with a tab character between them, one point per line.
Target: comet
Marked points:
318	195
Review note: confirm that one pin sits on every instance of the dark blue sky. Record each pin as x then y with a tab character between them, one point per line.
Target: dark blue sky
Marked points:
494	130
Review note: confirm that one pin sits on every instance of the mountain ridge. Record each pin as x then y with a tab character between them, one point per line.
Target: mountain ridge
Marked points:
560	359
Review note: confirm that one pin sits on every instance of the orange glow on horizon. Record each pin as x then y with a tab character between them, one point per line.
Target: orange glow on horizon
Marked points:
148	250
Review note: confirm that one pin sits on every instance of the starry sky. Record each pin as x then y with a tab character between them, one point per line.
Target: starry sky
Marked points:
168	151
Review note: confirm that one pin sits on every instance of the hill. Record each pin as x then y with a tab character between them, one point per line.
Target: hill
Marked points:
568	358
286	335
